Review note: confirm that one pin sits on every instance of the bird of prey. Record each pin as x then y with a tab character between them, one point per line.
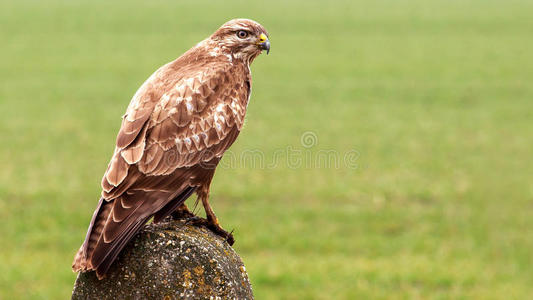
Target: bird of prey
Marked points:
174	133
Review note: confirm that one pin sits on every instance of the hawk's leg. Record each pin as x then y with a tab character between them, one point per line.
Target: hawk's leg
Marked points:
212	221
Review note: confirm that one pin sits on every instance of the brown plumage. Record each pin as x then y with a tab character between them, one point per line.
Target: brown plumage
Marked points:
174	133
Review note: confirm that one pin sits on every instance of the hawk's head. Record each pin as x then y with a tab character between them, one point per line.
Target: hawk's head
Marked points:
243	38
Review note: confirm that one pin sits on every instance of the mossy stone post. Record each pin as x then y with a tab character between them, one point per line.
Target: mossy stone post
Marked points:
170	260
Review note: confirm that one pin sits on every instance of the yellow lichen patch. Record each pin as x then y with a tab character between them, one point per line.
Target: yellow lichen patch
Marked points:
199	270
186	277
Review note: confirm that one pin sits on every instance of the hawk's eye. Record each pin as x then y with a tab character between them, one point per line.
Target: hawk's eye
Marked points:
242	34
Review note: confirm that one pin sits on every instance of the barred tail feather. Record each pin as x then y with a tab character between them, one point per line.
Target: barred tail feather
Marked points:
115	223
94	232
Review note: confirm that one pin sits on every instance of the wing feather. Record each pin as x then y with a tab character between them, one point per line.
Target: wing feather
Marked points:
117	170
187	126
208	109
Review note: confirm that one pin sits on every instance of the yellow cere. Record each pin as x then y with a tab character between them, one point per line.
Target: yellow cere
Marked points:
262	38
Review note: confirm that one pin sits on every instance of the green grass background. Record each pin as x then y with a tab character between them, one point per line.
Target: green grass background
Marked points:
436	97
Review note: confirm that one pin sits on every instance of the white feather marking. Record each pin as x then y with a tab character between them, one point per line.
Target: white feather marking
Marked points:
180	87
189	81
130	117
188	143
164	100
215	51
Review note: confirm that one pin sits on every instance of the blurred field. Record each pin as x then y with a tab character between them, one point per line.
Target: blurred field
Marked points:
435	96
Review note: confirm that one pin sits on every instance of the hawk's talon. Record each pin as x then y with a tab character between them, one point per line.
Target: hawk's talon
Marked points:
215	228
196	221
229	239
181	215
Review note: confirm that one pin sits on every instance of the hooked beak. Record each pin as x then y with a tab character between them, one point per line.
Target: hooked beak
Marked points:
264	43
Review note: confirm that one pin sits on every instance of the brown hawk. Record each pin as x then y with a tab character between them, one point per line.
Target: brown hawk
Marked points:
174	133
